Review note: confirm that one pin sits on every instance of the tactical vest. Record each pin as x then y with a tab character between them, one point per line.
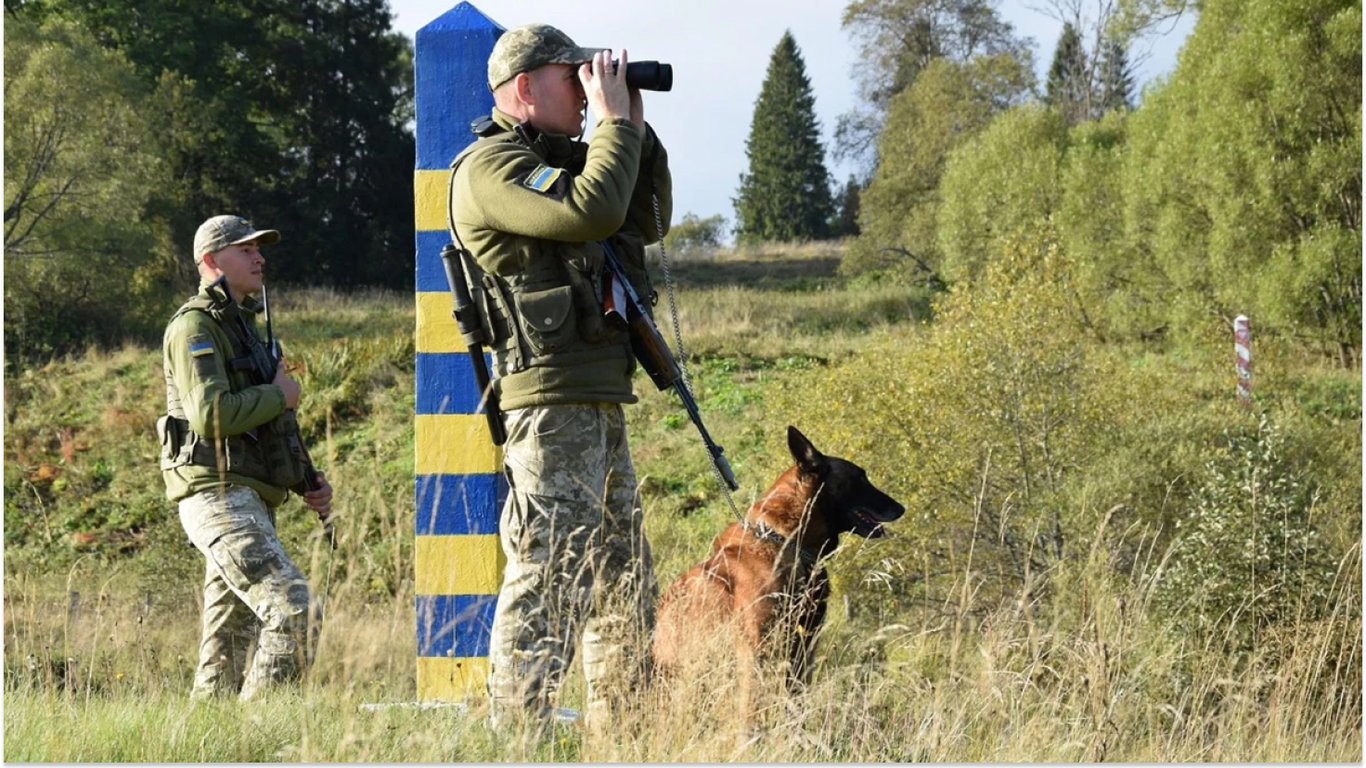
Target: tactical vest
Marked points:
263	453
551	313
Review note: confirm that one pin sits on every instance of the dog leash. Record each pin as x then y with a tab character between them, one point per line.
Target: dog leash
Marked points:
678	342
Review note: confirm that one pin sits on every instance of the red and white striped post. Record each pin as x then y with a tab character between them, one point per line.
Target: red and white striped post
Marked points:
1242	345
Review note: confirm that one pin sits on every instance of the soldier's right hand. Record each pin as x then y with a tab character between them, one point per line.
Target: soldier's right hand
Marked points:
604	89
288	385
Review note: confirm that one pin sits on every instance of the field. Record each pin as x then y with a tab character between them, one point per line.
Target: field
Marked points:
934	651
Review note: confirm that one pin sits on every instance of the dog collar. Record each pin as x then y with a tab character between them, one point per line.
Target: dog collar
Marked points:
765	533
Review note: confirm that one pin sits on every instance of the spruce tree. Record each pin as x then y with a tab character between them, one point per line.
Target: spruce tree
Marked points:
786	193
1116	82
1069	87
845	223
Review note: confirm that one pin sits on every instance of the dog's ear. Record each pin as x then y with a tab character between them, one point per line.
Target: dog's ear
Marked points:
803	452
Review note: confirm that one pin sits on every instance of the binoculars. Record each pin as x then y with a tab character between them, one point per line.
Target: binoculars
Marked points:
648	75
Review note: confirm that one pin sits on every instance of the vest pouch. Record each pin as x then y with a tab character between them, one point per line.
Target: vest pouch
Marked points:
241	455
283	464
547	319
171	439
588	292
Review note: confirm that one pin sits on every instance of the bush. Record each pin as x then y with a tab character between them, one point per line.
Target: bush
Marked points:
1249	555
976	425
694	234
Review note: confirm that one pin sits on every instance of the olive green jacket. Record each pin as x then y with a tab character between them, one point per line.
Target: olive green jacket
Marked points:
217	401
532	209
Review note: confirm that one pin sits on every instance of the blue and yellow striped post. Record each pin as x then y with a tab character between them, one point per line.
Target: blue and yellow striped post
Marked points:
459	489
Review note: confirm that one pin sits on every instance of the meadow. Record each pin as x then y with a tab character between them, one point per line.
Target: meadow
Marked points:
937	649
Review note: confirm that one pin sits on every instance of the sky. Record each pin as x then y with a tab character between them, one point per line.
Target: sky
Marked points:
720	49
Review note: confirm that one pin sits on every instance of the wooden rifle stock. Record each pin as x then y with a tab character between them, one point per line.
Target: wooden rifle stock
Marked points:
654	354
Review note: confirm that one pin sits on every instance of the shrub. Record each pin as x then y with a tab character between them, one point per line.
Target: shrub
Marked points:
1249	556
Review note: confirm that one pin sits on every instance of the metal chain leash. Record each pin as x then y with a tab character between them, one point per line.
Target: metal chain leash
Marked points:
678	342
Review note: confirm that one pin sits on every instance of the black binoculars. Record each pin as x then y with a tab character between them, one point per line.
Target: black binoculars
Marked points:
648	75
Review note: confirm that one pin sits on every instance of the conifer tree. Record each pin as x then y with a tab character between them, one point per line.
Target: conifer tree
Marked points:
1069	86
845	223
1116	81
786	193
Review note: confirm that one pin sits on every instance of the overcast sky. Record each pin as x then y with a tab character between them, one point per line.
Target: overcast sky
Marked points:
720	51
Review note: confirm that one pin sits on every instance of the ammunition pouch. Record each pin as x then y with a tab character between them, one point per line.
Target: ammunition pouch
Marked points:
264	454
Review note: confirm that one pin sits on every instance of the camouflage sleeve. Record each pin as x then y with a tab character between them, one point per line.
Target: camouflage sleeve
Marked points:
197	352
512	191
653	178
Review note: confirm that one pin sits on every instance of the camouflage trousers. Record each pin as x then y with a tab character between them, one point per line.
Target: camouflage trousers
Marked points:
253	593
578	564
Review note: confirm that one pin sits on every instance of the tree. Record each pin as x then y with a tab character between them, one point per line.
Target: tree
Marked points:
84	260
845	223
786	193
1069	87
301	115
949	103
1243	176
1116	81
1002	182
897	40
695	234
1089	79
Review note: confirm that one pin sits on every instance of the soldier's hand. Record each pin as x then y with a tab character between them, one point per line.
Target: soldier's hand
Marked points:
606	90
320	501
637	107
288	385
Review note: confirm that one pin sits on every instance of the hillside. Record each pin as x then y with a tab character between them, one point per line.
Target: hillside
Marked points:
998	423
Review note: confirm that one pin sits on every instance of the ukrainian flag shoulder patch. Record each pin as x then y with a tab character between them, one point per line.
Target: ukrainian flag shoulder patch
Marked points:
200	346
542	179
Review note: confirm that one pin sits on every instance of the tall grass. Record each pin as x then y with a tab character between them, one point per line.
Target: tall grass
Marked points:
100	635
1105	681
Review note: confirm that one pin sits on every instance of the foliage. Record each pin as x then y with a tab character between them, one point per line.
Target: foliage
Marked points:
1119	293
786	193
1249	555
977	427
998	184
85	252
1068	87
935	649
695	233
1243	177
300	115
897	40
948	104
1116	79
845	222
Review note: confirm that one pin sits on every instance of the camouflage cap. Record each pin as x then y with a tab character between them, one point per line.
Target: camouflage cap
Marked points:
220	232
528	47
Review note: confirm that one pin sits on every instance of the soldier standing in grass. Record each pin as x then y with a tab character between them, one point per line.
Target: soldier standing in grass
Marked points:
226	460
535	205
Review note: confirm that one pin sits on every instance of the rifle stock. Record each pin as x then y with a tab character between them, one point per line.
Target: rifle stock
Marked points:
654	355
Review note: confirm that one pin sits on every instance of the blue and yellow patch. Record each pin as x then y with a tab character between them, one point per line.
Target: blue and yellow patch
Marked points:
542	179
200	347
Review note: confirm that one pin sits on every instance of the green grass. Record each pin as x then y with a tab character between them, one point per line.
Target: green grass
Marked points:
101	590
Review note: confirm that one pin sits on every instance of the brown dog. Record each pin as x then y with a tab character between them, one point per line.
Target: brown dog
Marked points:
764	580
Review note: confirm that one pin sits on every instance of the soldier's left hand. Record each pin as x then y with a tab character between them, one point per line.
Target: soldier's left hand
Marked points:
320	501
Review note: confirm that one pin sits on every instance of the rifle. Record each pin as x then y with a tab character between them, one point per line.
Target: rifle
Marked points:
295	438
472	331
622	304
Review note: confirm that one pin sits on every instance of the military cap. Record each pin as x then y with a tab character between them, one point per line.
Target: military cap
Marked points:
220	232
528	47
